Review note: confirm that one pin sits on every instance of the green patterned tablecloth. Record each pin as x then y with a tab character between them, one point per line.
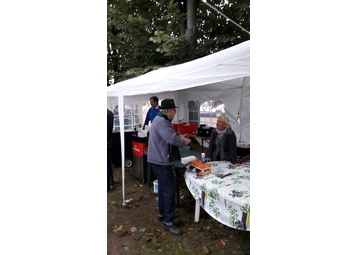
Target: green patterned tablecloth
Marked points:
226	199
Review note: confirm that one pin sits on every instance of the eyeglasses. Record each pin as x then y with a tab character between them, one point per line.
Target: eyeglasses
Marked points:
174	109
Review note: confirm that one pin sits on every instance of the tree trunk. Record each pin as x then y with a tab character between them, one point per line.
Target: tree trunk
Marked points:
192	30
182	7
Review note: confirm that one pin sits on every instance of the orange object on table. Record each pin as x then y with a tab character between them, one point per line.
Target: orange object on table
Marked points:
201	168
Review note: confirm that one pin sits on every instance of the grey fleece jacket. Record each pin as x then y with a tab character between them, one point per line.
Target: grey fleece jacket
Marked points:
161	135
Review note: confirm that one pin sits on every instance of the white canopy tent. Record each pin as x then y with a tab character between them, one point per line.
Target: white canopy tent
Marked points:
223	76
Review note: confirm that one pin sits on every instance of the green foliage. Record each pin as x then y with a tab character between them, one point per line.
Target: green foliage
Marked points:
144	35
205	250
124	244
171	46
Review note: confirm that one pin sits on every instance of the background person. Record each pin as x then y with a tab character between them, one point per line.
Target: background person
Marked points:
163	142
152	112
222	144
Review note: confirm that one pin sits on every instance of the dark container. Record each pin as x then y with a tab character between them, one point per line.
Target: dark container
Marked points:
205	132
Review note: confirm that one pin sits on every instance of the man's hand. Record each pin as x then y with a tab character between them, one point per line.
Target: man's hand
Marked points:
183	136
186	139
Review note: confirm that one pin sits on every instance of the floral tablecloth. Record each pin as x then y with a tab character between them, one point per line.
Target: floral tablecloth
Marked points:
224	194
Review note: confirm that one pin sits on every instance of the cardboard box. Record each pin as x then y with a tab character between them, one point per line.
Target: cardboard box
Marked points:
200	168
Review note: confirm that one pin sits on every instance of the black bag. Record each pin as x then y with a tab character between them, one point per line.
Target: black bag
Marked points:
174	153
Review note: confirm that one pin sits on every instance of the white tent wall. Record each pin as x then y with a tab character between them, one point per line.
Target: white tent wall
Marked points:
235	97
223	76
111	103
244	112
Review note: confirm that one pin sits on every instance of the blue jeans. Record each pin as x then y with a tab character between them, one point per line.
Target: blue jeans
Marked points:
110	178
166	192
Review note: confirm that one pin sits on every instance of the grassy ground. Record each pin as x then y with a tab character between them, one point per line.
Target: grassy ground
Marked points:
135	229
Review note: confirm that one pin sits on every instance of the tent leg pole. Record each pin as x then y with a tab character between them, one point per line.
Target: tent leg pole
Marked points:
197	211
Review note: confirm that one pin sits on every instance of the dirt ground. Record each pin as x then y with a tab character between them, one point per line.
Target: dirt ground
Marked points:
135	229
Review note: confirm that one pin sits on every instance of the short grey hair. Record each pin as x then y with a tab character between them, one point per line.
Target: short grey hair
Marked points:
164	111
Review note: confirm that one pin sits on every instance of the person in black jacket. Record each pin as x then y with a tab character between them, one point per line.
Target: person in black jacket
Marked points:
110	178
222	142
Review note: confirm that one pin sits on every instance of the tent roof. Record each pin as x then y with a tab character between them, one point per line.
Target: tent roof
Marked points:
225	66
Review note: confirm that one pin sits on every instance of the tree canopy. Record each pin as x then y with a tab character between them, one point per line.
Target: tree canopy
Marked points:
144	35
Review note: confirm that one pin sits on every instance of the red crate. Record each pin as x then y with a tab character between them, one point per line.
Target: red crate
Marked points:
176	126
187	128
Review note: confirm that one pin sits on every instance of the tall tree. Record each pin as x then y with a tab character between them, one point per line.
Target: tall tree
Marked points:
143	35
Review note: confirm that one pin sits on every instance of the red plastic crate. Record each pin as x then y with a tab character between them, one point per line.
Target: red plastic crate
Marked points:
176	126
187	128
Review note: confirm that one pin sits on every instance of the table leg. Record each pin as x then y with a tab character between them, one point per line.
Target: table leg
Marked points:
197	211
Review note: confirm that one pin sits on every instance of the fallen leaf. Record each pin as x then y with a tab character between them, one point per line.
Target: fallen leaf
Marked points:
126	248
133	229
129	200
116	229
223	243
130	192
143	230
191	229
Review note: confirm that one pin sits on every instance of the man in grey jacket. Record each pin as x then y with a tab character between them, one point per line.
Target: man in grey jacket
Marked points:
162	141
